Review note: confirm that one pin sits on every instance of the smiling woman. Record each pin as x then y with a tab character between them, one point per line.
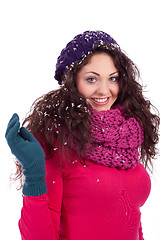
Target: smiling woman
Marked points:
97	81
98	134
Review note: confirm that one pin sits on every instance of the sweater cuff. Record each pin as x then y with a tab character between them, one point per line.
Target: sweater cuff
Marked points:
35	188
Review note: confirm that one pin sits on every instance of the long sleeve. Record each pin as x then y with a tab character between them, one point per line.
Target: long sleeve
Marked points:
40	215
35	222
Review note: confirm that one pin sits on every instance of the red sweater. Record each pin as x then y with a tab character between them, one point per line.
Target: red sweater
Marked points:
90	202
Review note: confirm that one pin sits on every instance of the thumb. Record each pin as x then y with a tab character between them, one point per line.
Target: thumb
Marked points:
26	135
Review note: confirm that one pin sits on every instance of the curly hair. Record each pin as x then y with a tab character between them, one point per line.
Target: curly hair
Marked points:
63	114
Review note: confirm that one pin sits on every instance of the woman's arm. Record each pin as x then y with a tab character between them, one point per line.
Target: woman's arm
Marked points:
35	222
40	215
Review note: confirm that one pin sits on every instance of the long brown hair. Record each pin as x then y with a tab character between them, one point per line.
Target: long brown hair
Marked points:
63	114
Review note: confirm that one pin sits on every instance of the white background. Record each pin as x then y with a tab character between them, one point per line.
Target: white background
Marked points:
32	34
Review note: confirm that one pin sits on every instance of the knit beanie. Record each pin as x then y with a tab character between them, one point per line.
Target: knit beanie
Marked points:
78	49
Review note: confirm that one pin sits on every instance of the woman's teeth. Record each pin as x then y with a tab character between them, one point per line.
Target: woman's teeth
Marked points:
100	100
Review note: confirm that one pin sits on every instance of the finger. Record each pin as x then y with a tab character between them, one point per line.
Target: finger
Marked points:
11	123
12	133
26	135
14	116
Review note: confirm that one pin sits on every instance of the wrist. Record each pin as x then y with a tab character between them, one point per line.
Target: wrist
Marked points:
35	183
34	186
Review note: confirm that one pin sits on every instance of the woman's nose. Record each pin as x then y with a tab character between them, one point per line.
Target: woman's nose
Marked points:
103	88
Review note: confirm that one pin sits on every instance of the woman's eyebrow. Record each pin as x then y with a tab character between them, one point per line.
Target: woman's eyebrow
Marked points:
99	74
93	73
113	73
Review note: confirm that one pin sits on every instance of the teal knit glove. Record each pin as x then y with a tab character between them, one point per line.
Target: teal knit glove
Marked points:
30	155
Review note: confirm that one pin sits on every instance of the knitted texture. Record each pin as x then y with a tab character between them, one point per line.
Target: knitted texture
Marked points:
79	48
31	156
115	139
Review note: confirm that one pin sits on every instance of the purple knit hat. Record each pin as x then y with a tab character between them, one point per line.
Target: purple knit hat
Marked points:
79	48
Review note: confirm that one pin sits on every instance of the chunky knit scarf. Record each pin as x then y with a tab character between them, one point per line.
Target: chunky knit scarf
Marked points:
115	139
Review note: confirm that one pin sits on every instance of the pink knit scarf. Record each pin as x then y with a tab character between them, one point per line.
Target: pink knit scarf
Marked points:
115	139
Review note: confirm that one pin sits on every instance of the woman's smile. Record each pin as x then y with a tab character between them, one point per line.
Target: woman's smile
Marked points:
100	101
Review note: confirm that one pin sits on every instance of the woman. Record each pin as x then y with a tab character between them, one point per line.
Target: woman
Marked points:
98	135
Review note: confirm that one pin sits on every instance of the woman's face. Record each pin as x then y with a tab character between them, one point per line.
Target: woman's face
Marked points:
97	81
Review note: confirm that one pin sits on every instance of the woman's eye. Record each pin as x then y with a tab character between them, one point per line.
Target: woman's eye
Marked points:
113	79
91	80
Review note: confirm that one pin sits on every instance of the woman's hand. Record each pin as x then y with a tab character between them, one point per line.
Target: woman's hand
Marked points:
30	155
23	144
